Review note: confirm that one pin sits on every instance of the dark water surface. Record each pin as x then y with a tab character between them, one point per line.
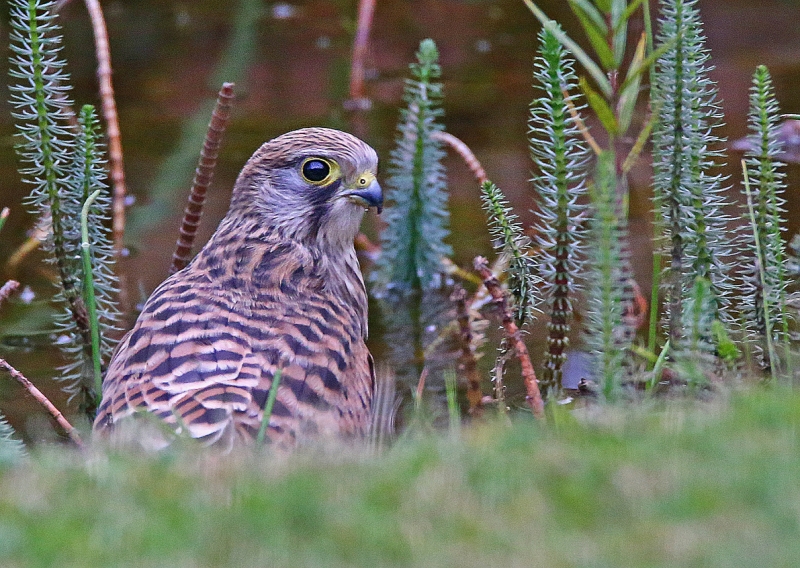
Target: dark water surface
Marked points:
290	62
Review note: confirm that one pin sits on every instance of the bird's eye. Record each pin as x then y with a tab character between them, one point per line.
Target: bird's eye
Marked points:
317	171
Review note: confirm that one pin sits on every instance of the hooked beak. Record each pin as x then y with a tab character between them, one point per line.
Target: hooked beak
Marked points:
371	196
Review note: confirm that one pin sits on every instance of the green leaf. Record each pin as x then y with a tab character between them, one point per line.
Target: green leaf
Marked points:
629	95
619	25
591	67
591	12
600	107
641	140
597	36
603	5
647	63
627	14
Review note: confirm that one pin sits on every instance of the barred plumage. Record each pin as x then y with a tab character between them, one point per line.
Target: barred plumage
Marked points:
278	286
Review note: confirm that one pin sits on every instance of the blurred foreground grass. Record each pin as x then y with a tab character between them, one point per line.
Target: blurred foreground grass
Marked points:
678	484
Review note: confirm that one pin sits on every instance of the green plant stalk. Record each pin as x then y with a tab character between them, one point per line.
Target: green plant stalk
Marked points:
561	161
89	298
505	229
412	244
658	368
761	274
47	154
605	309
3	217
452	400
273	395
769	182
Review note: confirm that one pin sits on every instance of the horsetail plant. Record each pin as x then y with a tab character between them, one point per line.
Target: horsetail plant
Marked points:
41	110
509	239
607	335
765	306
561	160
685	151
417	221
408	274
64	168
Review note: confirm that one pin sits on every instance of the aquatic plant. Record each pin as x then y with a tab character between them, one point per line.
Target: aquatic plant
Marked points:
686	152
764	270
64	166
561	160
413	242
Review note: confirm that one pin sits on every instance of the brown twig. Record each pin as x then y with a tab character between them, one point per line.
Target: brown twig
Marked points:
466	359
581	125
44	401
112	123
358	99
8	288
464	151
202	177
534	397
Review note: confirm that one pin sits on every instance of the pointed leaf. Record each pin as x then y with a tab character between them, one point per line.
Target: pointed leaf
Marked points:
629	95
597	37
619	25
600	107
589	9
641	140
603	5
626	15
647	63
591	67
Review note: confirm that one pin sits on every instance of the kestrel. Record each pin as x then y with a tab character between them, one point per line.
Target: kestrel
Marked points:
277	287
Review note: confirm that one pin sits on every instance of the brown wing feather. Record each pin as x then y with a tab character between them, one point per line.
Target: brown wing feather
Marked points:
203	352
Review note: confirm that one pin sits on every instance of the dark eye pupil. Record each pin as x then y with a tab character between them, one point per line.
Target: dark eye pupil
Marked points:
316	170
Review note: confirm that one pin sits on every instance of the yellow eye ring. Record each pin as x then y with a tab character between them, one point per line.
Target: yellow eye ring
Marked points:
319	171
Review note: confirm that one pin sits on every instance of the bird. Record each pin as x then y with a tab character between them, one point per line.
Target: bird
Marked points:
277	288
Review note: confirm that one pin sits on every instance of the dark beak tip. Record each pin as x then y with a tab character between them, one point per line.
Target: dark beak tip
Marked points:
373	195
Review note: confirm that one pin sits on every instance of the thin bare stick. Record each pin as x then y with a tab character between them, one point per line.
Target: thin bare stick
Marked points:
466	359
581	125
202	178
112	123
8	288
534	397
464	151
44	401
358	99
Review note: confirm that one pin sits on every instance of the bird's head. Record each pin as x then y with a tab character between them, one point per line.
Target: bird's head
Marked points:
311	185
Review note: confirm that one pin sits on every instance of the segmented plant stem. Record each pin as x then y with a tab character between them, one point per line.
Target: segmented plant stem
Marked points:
514	335
467	362
202	179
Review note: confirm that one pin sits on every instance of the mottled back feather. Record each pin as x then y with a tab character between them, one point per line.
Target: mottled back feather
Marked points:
278	286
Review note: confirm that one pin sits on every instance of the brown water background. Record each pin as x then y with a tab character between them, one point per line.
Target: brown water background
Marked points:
291	65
